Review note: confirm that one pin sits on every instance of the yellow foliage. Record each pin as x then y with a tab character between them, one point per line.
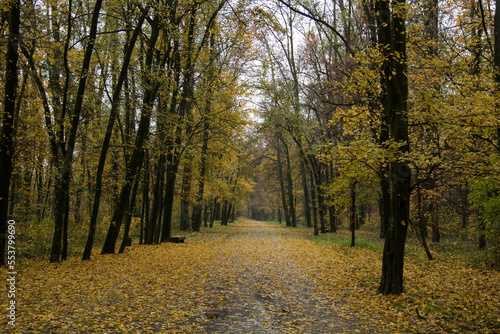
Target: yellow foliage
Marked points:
252	277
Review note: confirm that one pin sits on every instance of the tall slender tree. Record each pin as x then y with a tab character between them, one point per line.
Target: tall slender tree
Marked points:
8	114
107	138
64	172
136	158
393	32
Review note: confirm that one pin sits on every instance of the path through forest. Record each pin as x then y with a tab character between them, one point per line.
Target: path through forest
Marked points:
245	278
250	277
257	286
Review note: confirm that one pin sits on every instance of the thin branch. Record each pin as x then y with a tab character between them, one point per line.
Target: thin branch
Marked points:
484	25
313	17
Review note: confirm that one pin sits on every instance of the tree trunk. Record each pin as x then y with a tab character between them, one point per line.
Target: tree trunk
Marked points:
186	192
396	109
128	217
107	139
281	180
436	235
496	61
482	233
293	215
197	210
383	18
321	197
314	204
332	214
352	226
173	149
64	170
64	252
464	214
213	212
173	161
158	225
7	134
169	201
422	224
154	218
307	199
223	220
205	215
145	200
137	155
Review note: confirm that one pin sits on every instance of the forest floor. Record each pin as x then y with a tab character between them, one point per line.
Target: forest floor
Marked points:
251	277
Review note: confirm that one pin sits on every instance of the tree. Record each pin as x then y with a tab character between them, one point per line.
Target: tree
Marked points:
64	172
8	116
392	29
136	158
107	138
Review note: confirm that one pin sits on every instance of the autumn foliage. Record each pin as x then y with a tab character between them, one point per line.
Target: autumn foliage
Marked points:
257	278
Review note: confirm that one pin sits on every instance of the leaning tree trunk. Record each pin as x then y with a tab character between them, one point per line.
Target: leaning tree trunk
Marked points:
137	156
7	134
107	139
64	177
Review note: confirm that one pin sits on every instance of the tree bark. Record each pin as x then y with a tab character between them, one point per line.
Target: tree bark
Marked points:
496	60
137	155
107	139
314	203
64	171
172	168
320	191
154	219
7	134
281	180
352	226
396	109
197	210
128	217
185	195
422	224
293	215
332	212
145	200
307	198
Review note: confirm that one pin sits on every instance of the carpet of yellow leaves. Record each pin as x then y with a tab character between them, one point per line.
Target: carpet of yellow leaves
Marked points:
251	277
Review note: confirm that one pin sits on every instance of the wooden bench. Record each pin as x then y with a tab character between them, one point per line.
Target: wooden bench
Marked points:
177	240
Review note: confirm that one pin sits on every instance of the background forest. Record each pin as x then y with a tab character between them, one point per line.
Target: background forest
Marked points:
127	121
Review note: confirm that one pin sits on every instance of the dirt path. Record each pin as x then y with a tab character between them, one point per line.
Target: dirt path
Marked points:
258	287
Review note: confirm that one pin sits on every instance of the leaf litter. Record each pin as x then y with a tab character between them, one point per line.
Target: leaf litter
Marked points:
250	277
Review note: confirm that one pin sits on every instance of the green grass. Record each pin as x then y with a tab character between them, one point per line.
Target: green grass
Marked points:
346	242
